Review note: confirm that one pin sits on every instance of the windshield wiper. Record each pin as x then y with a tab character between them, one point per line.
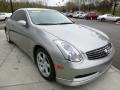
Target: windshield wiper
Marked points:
54	23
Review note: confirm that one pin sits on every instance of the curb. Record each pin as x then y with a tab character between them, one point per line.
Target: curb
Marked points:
114	68
2	26
118	23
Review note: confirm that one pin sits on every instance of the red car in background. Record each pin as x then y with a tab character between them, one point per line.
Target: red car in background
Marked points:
91	15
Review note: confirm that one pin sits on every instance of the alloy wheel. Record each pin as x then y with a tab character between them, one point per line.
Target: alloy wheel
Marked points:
43	64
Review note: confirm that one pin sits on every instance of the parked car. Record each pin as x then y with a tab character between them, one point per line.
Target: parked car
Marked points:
108	17
63	51
82	15
64	13
69	14
91	15
4	16
8	14
78	14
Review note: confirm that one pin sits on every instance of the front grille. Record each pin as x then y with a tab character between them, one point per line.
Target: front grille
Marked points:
99	53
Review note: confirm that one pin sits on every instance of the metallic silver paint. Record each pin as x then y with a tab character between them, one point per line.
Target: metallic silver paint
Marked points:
81	37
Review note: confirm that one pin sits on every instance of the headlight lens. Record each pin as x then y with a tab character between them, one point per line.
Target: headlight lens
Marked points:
69	52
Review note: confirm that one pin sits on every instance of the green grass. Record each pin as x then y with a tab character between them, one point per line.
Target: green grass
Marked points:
118	13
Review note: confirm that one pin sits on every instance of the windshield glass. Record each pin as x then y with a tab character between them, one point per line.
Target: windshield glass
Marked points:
48	17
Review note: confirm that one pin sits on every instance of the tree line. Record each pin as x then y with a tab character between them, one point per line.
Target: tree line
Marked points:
5	5
105	6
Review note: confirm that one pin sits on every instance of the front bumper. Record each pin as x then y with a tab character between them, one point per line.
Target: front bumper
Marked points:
75	74
81	81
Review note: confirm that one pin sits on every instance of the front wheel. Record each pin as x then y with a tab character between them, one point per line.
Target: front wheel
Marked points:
103	19
6	18
45	64
118	20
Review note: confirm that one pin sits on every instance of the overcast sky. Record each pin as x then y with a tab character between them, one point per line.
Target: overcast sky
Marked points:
50	2
53	2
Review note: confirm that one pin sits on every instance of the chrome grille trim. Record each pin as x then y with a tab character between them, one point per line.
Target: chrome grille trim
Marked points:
99	53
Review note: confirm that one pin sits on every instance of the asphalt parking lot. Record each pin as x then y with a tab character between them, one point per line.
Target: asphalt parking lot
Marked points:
18	72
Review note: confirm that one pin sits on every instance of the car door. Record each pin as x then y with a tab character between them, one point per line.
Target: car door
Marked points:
20	32
110	17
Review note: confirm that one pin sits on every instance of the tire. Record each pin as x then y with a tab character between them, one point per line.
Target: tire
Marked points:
117	20
44	64
85	18
5	19
8	36
103	19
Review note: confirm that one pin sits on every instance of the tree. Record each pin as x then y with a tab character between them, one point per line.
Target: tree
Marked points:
84	7
114	3
104	6
70	6
5	5
90	7
11	5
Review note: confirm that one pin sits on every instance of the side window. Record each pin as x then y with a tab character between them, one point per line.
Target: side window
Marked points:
19	15
109	15
2	14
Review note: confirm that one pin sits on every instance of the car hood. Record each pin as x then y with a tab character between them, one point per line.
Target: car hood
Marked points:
82	37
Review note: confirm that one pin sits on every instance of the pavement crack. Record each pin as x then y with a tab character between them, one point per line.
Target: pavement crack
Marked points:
19	84
4	60
31	83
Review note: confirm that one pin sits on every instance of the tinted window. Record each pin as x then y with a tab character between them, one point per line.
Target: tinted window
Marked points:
48	17
19	15
109	15
2	14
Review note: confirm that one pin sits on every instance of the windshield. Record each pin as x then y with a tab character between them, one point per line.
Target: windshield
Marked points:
48	17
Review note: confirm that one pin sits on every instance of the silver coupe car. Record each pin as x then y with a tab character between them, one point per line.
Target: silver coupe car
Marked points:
63	51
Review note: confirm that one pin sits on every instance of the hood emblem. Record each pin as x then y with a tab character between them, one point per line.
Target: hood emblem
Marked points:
107	51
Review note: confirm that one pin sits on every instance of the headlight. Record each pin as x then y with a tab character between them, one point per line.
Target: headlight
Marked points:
69	52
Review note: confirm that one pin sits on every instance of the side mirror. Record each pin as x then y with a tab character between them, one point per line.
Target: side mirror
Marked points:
22	22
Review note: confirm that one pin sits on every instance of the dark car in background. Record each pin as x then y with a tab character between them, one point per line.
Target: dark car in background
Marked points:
68	14
91	15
